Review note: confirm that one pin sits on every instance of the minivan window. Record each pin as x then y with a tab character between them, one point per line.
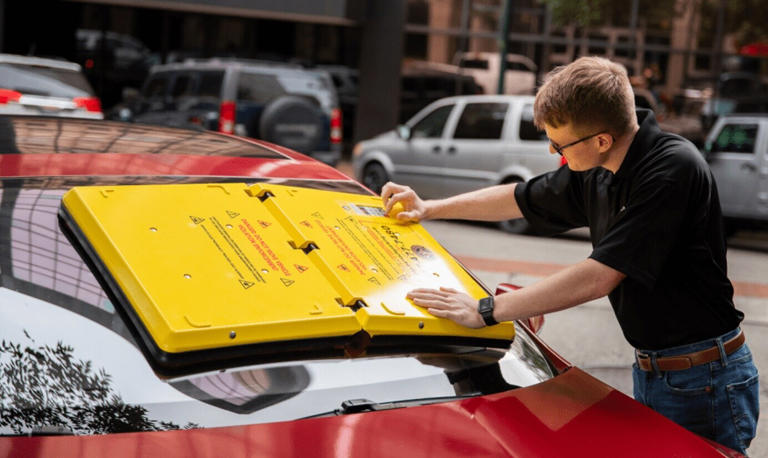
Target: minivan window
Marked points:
736	138
528	130
431	126
482	121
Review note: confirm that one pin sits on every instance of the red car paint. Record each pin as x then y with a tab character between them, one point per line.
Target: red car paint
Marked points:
571	415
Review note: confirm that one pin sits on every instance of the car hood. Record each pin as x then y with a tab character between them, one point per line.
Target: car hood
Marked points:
572	414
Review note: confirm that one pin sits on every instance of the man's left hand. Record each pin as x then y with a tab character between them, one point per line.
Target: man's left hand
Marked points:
449	303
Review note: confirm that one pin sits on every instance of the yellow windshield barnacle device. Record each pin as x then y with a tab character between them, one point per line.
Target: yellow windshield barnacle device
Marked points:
210	275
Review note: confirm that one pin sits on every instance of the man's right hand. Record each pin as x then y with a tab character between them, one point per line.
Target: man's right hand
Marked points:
414	209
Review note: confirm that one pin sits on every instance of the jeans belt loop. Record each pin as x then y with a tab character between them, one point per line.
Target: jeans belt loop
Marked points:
723	355
655	365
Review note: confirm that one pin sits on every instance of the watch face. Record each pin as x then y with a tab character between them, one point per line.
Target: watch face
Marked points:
485	305
485	308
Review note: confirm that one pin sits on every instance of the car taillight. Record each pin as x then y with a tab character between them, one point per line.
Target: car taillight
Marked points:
336	126
227	117
92	104
9	95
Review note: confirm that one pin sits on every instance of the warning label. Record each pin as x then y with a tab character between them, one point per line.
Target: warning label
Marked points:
221	239
263	248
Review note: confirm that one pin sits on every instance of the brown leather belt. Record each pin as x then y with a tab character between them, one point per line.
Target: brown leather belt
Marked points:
682	362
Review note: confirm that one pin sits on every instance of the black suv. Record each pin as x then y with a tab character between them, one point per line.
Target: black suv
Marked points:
279	103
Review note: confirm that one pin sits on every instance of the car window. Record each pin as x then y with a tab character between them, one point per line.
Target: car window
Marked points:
736	138
210	84
44	81
182	86
481	64
528	130
431	126
254	87
156	86
482	121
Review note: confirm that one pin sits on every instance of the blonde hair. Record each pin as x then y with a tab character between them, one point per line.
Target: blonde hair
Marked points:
589	93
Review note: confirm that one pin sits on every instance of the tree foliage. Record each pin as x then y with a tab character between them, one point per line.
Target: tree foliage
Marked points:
590	13
746	20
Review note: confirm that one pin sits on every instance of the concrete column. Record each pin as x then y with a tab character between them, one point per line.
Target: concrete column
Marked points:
680	38
441	15
381	55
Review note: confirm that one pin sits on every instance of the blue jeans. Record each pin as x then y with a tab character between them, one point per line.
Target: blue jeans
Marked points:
718	400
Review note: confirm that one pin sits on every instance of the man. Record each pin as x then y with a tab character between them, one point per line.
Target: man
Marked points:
659	251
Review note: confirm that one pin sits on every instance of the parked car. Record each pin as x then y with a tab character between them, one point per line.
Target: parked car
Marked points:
279	103
73	373
484	67
459	144
737	152
112	62
37	86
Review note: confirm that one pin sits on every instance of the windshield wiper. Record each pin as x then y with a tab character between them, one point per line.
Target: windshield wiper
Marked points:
366	405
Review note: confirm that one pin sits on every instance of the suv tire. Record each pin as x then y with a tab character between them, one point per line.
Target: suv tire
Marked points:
375	176
293	122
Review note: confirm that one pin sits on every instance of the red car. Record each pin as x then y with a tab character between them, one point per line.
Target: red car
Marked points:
75	382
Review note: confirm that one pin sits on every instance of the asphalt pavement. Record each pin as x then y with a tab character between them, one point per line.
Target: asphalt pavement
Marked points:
589	335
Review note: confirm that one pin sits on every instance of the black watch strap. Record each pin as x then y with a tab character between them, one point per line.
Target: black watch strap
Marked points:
485	308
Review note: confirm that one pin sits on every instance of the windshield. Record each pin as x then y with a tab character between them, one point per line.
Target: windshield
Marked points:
69	363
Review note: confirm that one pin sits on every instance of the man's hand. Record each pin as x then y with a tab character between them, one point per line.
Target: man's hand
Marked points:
449	303
414	209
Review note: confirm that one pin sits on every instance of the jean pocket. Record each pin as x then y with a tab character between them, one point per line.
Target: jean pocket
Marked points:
687	398
744	400
695	381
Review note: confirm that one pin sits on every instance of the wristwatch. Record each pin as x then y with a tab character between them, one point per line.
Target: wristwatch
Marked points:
485	308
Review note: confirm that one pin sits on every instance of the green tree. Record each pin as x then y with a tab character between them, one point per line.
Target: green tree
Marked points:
590	13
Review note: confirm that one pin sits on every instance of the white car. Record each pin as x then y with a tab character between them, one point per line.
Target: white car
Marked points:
459	144
36	86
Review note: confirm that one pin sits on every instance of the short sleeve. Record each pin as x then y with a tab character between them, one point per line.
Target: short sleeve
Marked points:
551	203
645	231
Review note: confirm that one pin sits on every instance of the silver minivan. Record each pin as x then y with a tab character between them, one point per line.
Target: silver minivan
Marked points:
737	152
459	144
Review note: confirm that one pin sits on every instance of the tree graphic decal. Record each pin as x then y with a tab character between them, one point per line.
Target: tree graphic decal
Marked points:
44	386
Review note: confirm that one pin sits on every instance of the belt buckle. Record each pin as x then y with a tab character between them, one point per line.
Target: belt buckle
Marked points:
641	355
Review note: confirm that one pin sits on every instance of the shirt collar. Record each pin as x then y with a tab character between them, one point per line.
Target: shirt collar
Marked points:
641	144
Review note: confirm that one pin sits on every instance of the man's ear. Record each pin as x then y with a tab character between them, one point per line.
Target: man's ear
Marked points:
605	141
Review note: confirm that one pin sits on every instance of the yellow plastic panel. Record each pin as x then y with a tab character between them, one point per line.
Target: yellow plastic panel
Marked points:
207	266
371	257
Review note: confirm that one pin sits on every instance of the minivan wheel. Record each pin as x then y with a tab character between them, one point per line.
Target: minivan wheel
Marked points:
375	177
515	226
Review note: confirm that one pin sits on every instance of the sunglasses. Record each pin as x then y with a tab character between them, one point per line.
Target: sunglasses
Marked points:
560	149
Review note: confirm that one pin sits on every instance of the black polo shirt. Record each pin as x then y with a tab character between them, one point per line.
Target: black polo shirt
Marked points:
658	221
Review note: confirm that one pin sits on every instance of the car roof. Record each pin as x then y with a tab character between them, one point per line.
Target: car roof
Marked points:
487	98
39	62
54	146
226	62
